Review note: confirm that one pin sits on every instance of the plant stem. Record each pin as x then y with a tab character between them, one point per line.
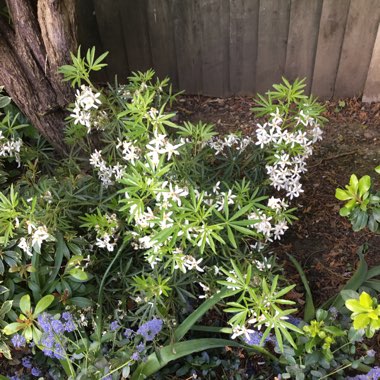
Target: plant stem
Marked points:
99	311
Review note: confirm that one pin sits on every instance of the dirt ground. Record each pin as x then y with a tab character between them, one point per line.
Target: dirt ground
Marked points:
321	240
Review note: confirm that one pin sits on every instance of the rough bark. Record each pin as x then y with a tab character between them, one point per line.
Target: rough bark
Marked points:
32	47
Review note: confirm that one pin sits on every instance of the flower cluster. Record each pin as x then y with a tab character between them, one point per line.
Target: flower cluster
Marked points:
53	328
373	374
230	141
10	147
37	235
86	101
290	149
271	224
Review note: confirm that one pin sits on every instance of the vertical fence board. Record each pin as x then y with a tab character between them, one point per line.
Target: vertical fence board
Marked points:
302	40
359	38
219	47
372	85
187	34
88	34
330	40
272	40
109	24
135	33
244	18
161	35
215	40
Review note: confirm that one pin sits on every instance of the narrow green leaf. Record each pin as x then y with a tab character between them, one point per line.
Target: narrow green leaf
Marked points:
189	322
175	351
309	312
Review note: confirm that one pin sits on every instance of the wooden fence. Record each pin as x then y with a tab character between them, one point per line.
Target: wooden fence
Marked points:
226	47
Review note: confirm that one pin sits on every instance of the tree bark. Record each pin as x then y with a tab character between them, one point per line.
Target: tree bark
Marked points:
32	47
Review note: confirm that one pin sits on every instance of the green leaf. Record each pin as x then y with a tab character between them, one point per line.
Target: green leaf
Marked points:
5	308
190	321
25	305
364	184
81	302
159	360
43	304
342	195
309	312
12	328
4	101
78	274
377	169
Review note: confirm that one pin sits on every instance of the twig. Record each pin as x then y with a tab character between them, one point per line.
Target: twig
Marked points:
333	157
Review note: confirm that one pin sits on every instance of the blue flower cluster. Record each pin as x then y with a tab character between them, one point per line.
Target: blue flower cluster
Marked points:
255	339
53	329
150	329
18	341
373	374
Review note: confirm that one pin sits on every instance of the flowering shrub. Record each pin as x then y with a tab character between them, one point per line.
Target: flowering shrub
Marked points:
141	223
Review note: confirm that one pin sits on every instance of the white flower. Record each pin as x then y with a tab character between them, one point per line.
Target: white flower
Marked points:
105	242
170	149
192	263
279	229
25	246
39	236
86	99
241	330
166	221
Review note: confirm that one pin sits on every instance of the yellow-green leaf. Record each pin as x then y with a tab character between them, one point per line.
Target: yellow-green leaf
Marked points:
12	328
365	300
43	304
361	321
25	304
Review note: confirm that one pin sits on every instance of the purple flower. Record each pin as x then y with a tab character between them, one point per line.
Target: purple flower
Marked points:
128	333
294	321
135	356
140	347
18	341
36	372
44	320
254	338
15	377
58	326
69	322
333	312
373	374
371	353
150	329
26	362
109	377
114	325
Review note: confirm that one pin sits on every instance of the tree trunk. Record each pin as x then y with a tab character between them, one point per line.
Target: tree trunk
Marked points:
32	47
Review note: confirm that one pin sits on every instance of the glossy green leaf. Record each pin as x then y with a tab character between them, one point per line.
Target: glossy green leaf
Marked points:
78	274
43	304
364	184
25	305
12	328
342	195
